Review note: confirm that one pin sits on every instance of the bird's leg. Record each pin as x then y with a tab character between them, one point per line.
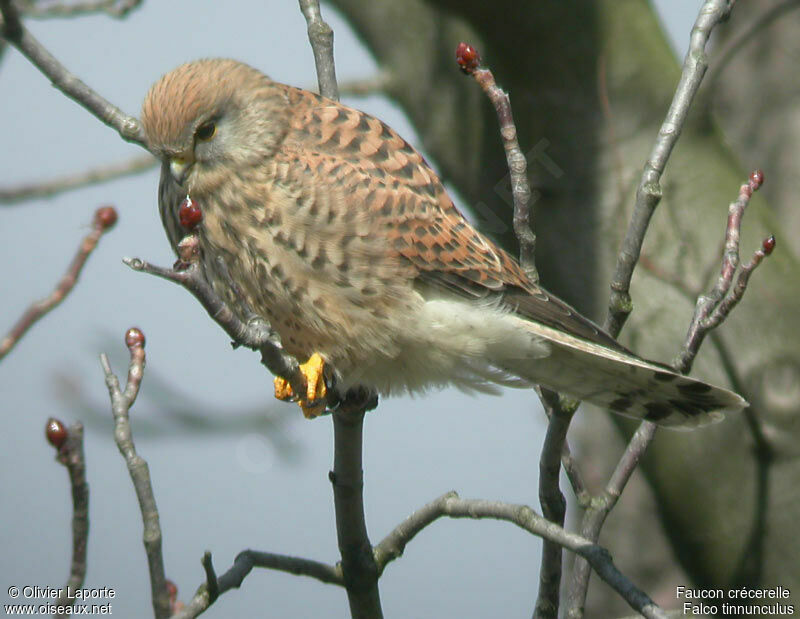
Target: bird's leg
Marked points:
313	404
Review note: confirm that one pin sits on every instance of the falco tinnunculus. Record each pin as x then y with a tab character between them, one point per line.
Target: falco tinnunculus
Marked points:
336	231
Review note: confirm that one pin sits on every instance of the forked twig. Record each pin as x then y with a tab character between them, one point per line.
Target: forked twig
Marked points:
648	194
243	564
713	308
121	402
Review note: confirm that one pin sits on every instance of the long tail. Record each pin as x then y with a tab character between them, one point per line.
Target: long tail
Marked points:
622	382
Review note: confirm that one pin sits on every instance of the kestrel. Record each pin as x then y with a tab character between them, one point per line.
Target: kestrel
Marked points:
334	229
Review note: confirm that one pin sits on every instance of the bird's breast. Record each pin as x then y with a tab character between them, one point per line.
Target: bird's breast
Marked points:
325	283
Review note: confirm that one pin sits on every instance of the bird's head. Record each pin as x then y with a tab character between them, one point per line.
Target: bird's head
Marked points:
211	116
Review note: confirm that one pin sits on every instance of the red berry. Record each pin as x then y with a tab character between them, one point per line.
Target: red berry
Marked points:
105	217
769	244
756	179
56	432
467	57
134	338
189	213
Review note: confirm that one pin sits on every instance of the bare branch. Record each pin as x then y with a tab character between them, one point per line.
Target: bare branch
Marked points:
104	219
648	194
554	405
121	402
359	568
46	189
469	61
114	8
256	334
554	505
248	559
69	443
595	516
575	476
212	584
243	564
320	35
710	311
452	506
713	308
14	32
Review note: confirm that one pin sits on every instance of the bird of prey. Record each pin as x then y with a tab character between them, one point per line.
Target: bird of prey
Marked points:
326	223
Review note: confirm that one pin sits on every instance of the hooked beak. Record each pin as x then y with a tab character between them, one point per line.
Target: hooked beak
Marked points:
179	168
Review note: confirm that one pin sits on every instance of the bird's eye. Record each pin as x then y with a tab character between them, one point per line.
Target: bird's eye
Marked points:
206	131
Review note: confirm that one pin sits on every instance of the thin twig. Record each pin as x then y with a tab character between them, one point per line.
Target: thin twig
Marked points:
554	405
104	219
14	32
46	189
320	35
256	334
212	583
245	561
648	194
554	505
469	60
114	8
248	559
121	402
452	506
69	443
574	476
713	308
359	569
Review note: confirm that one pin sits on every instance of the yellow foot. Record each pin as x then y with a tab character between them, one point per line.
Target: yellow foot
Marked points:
313	404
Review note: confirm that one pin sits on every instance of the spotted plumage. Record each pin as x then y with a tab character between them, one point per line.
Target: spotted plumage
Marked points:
324	221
